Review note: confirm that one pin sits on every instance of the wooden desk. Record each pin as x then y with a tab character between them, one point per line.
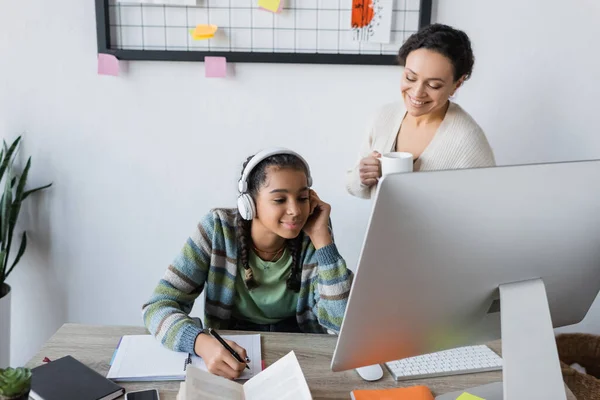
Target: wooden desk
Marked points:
94	346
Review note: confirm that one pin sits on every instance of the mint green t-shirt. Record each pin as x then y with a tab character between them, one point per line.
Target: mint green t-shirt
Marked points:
271	301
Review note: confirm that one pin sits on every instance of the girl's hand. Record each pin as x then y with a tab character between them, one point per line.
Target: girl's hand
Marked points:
218	360
317	225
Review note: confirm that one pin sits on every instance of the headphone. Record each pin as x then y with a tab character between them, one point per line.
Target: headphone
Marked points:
245	203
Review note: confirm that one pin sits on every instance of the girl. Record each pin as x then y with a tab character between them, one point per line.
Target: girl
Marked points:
270	265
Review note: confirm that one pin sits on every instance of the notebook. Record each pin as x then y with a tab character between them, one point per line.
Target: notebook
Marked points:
67	378
143	358
408	393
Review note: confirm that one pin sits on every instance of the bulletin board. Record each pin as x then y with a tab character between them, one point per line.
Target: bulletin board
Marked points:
304	31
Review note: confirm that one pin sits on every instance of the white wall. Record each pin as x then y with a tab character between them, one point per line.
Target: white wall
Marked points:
136	160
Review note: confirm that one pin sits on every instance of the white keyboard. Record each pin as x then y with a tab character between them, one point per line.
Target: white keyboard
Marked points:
463	360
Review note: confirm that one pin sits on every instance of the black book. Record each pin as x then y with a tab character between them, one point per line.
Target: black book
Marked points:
67	378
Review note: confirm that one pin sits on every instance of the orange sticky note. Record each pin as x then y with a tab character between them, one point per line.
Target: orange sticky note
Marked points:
274	6
203	32
469	396
408	393
108	65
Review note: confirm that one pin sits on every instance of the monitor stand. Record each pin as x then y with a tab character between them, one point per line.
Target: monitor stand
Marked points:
531	369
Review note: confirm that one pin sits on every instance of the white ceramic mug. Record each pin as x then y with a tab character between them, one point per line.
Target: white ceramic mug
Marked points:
396	162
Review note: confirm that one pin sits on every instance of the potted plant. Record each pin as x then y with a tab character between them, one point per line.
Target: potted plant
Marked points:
15	383
13	194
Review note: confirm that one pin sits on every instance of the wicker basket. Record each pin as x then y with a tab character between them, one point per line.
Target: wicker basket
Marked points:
583	349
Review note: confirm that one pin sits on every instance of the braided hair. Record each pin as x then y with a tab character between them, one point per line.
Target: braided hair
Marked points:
255	180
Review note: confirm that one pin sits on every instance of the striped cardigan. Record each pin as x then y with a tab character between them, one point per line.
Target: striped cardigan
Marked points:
209	261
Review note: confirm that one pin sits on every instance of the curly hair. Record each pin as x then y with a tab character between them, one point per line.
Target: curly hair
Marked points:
256	179
445	40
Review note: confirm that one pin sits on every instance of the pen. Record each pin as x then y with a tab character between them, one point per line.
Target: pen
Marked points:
188	361
214	334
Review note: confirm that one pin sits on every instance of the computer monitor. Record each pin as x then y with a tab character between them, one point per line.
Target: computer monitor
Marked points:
461	257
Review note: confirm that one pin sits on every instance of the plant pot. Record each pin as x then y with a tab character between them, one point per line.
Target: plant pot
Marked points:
23	396
4	325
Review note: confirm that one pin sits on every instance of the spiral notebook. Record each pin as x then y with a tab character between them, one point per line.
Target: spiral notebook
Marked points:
143	358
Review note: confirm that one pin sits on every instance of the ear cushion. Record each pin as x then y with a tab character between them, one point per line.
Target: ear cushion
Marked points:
246	207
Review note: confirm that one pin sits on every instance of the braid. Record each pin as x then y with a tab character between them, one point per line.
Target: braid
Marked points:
243	236
295	246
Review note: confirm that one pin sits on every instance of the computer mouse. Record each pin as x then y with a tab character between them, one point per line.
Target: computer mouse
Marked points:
370	372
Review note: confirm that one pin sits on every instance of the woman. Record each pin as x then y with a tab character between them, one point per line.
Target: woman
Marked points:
269	265
437	132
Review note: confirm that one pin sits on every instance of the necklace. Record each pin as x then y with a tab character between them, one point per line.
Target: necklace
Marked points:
268	252
274	253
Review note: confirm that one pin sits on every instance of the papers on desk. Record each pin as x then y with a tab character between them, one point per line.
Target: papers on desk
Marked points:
491	391
143	358
282	380
469	396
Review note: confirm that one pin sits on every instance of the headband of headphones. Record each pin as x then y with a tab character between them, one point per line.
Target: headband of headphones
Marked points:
262	155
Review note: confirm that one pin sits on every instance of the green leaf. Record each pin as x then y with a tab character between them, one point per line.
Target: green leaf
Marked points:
5	211
8	156
4	148
22	181
6	207
22	248
12	222
2	241
16	206
3	264
27	193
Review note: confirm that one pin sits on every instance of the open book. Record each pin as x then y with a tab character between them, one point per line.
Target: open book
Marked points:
283	380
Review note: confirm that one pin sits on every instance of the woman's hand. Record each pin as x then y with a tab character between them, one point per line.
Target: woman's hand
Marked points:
218	360
317	225
370	169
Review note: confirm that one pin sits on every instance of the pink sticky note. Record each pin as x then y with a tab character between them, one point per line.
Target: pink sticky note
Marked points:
108	65
215	67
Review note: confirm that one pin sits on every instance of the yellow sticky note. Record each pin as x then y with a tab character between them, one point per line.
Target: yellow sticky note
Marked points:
270	5
468	396
195	37
203	32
